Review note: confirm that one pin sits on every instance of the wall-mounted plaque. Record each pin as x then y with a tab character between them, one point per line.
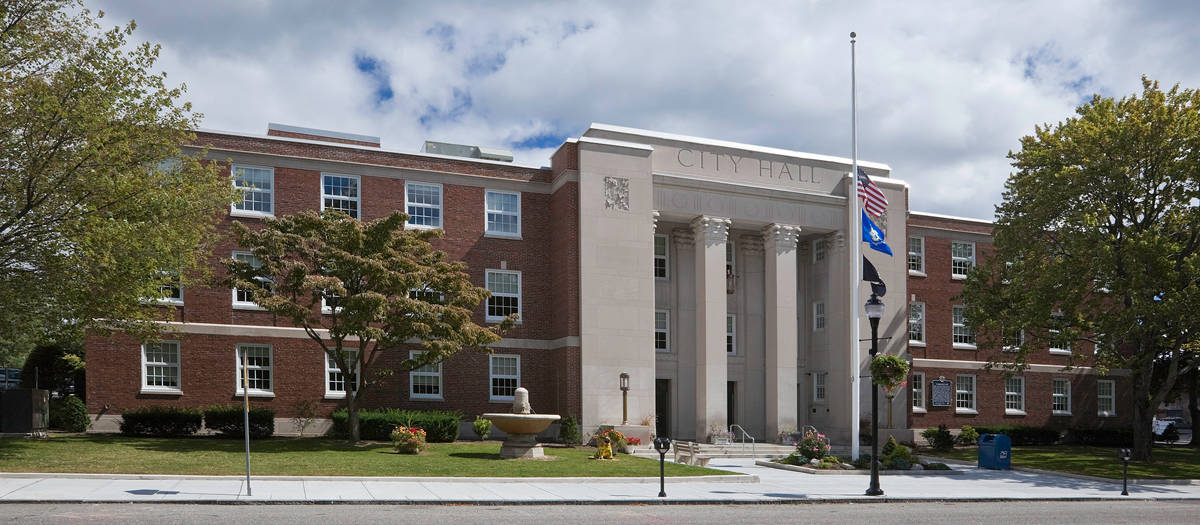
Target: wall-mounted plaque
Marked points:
941	392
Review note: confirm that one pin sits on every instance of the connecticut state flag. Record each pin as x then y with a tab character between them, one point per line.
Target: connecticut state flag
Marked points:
871	234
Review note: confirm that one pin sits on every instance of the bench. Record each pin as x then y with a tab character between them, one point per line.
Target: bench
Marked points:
690	452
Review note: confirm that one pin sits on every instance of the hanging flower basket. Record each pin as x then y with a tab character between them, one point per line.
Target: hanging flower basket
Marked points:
889	371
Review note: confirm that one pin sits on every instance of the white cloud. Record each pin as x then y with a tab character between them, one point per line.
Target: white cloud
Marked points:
945	88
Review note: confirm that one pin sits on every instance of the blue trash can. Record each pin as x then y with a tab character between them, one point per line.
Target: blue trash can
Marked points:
995	452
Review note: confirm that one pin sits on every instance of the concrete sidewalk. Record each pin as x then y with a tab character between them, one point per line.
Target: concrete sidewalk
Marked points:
766	485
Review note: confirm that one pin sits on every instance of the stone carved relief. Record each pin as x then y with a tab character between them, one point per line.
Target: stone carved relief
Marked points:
714	230
783	236
616	193
835	240
654	218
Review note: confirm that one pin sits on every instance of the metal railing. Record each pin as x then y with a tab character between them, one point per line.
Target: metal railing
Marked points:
744	436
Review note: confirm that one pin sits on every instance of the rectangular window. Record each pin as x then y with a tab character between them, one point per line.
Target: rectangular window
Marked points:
1014	396
660	257
964	337
505	376
335	380
731	334
818	247
503	214
1059	344
962	258
506	294
1061	401
916	323
160	366
964	394
423	203
257	370
819	386
257	187
818	316
918	391
1106	397
1013	340
425	382
171	289
662	331
916	254
340	192
242	297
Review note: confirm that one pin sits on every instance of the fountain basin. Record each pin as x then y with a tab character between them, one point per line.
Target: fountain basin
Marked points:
522	423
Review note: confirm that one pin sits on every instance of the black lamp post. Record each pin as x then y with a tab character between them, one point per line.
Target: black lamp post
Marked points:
874	308
624	398
1125	455
662	445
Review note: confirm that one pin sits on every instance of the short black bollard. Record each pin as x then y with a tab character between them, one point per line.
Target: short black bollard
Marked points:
1125	472
662	445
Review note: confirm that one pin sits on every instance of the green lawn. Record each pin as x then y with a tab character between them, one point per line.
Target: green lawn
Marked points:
1169	463
299	457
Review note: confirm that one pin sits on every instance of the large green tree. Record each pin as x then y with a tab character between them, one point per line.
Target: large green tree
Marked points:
361	288
99	210
1098	242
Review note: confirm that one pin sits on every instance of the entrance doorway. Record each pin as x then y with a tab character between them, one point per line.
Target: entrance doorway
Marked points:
662	407
731	401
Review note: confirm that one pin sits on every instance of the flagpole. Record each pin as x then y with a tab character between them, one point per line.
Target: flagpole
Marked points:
855	235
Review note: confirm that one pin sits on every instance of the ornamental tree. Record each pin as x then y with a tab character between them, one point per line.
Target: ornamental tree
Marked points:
1098	246
359	288
99	210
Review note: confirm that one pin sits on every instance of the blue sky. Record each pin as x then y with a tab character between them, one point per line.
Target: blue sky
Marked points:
946	89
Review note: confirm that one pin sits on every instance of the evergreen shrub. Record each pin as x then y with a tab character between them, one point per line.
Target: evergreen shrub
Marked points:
228	421
160	421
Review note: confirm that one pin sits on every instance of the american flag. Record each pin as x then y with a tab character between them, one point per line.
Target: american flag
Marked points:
873	200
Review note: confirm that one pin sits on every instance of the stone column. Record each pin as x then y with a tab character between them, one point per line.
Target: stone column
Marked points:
683	335
711	373
779	243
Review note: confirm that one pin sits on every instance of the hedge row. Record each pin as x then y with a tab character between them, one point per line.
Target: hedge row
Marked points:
1101	437
226	421
440	426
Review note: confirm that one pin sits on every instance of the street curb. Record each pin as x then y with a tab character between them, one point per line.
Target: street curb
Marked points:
856	472
648	501
1082	476
725	478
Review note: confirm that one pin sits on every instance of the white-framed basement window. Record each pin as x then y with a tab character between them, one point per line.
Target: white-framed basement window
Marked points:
662	331
242	297
1014	396
916	256
964	394
964	337
258	194
504	376
335	380
819	386
917	387
1060	404
423	203
424	382
661	257
502	214
916	323
160	368
730	334
505	286
341	192
962	258
1106	398
259	367
818	316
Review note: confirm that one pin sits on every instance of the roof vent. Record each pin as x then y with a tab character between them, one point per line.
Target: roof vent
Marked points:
463	150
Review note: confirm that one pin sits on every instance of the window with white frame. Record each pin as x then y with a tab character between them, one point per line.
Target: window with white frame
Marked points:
818	316
1014	396
423	203
171	289
731	334
336	385
964	393
504	377
660	257
918	391
160	366
503	214
963	335
916	254
962	258
1061	397
1013	340
662	331
340	192
1106	397
819	386
818	247
257	188
425	382
243	297
1058	343
506	294
916	322
257	370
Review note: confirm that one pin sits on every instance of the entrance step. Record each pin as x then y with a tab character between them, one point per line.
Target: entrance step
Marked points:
758	451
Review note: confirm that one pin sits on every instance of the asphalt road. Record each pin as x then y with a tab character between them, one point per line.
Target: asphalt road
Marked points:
1024	513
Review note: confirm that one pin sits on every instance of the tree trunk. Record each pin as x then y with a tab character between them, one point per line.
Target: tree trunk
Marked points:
1143	435
1194	404
352	415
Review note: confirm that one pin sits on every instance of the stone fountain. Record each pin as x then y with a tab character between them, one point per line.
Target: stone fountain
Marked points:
522	427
